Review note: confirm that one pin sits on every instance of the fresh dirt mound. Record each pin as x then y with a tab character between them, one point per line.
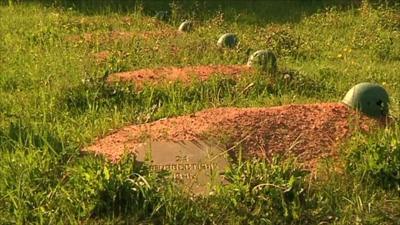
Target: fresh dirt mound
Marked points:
112	36
184	74
308	131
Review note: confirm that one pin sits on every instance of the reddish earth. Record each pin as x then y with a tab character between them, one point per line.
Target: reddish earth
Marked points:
101	56
121	36
308	131
185	74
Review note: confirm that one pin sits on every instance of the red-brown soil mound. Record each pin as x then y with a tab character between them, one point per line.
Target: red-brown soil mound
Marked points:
184	74
113	36
308	131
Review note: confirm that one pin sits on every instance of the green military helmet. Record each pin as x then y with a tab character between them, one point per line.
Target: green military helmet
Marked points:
228	40
370	99
264	60
186	26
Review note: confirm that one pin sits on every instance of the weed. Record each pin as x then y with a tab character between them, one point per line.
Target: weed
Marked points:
377	159
272	191
54	100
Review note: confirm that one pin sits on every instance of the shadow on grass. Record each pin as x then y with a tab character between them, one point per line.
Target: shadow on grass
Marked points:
96	94
19	135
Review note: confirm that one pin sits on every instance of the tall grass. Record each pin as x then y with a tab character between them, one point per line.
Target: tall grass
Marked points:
54	101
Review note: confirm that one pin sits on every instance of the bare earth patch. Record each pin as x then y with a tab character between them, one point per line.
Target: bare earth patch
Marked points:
101	56
112	36
184	74
308	131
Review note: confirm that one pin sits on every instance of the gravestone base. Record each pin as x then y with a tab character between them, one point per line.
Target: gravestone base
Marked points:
196	165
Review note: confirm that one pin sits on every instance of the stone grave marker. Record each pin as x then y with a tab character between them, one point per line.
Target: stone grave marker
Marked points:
197	165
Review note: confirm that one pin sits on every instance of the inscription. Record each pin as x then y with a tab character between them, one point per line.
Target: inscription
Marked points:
183	176
190	163
185	166
182	158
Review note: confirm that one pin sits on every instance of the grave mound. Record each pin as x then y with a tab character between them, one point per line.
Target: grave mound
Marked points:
307	131
197	149
117	36
183	74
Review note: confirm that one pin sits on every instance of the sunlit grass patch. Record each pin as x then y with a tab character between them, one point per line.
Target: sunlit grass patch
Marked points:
54	101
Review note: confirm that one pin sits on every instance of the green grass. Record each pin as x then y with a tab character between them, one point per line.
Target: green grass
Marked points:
53	102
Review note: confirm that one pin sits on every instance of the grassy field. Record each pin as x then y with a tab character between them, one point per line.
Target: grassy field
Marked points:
53	101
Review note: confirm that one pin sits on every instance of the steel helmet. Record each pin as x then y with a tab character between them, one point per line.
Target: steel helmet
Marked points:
228	40
370	99
186	26
264	60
